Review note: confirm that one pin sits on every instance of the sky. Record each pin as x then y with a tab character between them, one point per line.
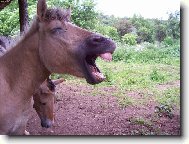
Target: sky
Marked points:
146	8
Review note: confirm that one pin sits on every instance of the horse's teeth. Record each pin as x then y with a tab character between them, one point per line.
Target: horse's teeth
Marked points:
99	75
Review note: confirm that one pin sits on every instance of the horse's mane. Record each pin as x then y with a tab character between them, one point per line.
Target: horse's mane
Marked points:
56	14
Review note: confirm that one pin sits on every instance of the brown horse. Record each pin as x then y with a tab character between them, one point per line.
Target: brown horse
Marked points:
52	44
44	98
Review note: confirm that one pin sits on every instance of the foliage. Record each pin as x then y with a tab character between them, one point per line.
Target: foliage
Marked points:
145	28
148	54
108	31
168	41
129	39
160	30
157	76
83	14
173	25
9	19
124	26
170	97
108	20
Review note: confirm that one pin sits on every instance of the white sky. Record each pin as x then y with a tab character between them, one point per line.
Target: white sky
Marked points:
145	8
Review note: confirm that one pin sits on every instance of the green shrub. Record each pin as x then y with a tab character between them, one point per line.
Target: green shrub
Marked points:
156	76
148	54
129	39
168	41
108	31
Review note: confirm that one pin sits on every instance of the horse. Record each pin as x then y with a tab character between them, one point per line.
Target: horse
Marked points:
44	98
52	45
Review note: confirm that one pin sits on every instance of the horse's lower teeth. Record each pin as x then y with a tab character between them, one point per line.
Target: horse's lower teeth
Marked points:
98	75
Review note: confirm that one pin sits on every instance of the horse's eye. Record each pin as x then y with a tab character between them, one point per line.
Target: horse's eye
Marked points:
57	30
42	103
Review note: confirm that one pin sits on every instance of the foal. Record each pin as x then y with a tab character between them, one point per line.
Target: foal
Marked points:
44	98
52	45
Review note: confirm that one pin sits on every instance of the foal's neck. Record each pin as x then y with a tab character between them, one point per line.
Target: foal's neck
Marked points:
24	69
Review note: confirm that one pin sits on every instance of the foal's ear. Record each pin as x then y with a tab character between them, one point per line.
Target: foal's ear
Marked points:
58	81
41	9
68	14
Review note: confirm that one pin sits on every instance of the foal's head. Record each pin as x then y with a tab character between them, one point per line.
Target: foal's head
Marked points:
67	48
44	99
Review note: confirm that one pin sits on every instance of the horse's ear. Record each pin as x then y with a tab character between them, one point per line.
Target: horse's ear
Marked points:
68	14
41	9
58	81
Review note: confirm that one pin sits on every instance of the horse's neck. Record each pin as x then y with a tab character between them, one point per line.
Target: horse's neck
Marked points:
24	71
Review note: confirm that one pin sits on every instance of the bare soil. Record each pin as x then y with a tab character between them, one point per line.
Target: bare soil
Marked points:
77	112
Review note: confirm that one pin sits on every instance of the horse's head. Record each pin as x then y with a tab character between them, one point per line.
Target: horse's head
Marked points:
67	48
44	99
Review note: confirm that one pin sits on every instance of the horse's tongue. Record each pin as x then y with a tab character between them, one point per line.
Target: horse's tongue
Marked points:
106	56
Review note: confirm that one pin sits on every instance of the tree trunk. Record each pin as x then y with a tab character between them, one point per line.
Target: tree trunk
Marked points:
23	15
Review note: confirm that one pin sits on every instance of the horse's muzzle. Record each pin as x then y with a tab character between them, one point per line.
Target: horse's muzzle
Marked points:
46	123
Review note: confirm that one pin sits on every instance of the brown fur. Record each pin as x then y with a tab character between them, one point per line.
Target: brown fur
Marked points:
44	93
44	98
49	46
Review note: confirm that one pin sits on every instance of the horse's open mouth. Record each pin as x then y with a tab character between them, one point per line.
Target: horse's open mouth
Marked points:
95	73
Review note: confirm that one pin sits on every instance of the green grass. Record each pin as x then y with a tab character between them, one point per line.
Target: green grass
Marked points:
136	76
140	71
140	121
170	97
149	54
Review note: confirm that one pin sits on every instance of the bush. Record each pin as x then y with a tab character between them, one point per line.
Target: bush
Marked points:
157	76
168	41
129	39
164	55
108	31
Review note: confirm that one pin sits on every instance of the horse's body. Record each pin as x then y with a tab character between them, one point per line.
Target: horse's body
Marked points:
20	76
52	44
43	96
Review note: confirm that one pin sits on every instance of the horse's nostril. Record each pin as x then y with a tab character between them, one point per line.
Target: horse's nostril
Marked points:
95	40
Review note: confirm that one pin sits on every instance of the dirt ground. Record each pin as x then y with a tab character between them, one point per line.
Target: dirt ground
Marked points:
78	113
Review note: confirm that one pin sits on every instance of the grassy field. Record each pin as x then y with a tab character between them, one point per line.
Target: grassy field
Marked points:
147	69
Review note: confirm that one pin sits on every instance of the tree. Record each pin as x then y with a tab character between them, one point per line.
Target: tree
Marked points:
160	30
83	14
23	15
4	3
107	30
9	19
129	39
124	26
145	28
173	25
